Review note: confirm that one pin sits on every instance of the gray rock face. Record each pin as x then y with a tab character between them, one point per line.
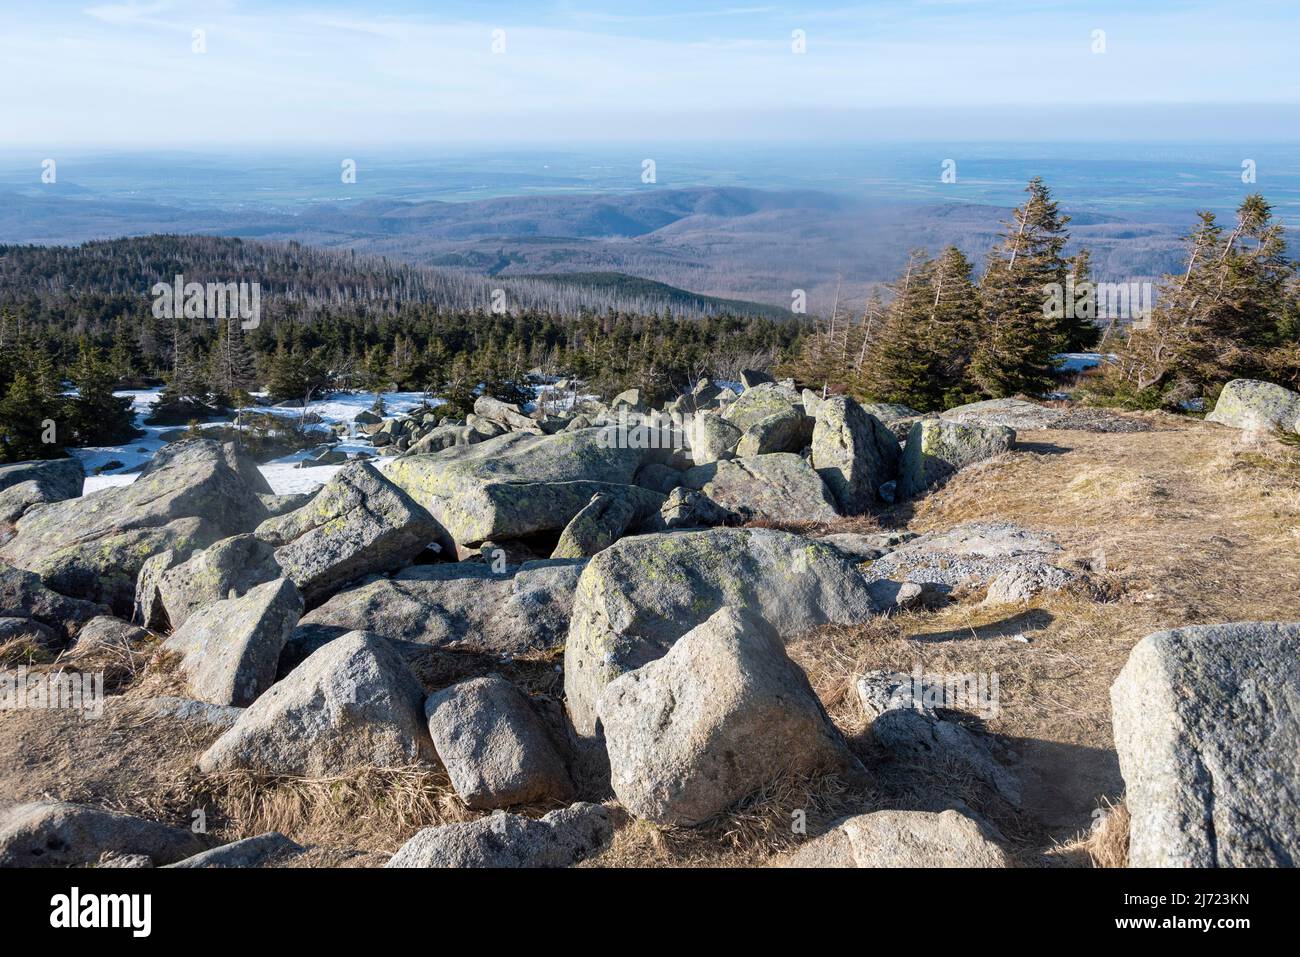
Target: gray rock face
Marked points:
895	417
559	839
636	598
853	452
461	605
1257	407
777	487
1016	414
198	712
23	595
358	524
749	378
1015	586
629	399
937	449
25	484
712	438
785	431
354	703
705	395
107	633
191	494
858	547
687	508
60	834
484	427
250	852
975	554
443	437
230	649
505	414
279	504
148	608
227	569
902	839
517	485
659	478
599	525
324	457
495	748
760	401
903	718
722	713
1207	726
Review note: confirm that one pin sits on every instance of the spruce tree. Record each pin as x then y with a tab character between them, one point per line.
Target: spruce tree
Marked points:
1018	335
901	356
98	417
121	357
26	417
456	388
1226	316
375	372
34	421
232	373
1077	325
951	326
9	349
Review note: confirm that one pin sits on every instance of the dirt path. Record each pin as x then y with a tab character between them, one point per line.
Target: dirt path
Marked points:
1190	524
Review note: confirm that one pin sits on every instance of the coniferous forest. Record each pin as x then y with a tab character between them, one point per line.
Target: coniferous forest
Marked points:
76	324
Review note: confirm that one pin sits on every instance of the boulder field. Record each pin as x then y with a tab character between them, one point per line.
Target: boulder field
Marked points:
582	619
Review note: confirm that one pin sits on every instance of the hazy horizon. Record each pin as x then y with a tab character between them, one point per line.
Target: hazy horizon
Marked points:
153	74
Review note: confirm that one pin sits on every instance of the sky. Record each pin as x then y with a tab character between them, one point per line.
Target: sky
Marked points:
145	74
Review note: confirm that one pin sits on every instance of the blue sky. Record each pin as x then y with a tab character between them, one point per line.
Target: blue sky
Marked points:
124	73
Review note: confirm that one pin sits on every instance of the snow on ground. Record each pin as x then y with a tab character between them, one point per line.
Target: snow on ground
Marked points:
283	474
1079	361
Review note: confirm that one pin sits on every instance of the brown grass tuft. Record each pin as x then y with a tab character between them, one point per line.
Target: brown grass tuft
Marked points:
1105	844
25	651
374	807
749	834
121	663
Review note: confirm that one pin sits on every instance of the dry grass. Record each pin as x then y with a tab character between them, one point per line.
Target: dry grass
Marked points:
1104	844
750	834
1190	523
834	656
25	651
375	808
121	663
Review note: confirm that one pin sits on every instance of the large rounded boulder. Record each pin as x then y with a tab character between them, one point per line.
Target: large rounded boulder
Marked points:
518	485
1257	407
639	596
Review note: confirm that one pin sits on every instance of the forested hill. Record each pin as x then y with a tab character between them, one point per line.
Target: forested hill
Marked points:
303	281
621	287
